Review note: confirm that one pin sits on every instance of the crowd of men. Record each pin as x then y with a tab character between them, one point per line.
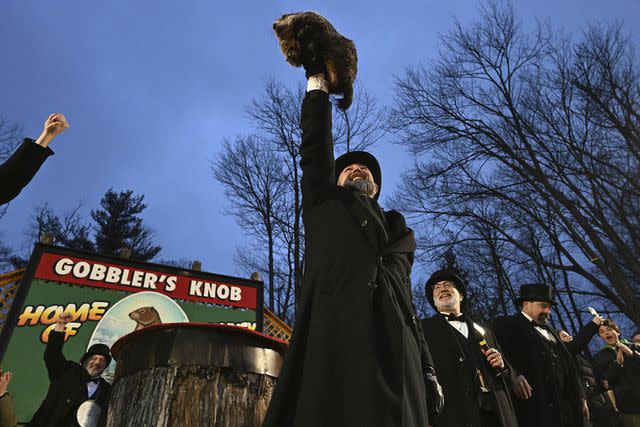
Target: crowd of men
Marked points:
523	372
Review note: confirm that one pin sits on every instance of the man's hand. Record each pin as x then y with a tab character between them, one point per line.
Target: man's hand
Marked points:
62	321
54	124
584	408
625	350
620	357
435	397
5	379
597	320
521	388
494	358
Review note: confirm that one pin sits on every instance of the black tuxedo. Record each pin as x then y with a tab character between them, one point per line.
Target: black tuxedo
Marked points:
358	354
67	390
456	359
548	367
19	169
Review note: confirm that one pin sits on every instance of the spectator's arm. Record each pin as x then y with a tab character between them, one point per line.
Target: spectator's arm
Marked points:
582	338
54	360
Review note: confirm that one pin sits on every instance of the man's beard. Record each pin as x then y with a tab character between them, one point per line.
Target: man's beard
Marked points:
542	319
362	186
92	371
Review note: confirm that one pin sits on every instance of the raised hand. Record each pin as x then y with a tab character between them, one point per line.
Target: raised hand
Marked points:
54	124
5	379
61	321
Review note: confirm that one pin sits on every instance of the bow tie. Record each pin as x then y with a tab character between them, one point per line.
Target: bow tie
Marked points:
539	325
452	317
95	381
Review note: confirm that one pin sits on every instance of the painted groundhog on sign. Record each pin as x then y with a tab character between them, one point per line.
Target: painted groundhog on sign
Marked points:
338	52
145	316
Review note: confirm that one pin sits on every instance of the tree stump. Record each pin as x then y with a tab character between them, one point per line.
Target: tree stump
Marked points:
189	374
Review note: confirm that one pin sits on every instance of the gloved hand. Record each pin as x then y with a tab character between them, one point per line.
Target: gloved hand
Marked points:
310	57
435	397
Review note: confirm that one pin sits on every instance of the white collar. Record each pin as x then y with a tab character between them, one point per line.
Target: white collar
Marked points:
527	316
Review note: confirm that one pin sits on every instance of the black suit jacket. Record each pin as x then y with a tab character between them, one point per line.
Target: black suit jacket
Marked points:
357	355
67	390
526	351
19	169
452	367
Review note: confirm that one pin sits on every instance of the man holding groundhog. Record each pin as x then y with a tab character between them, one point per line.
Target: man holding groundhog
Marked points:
358	356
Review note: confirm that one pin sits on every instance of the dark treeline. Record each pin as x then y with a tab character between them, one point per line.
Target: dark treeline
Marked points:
526	147
115	225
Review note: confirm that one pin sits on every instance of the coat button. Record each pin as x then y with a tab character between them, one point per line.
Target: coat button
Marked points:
364	223
373	285
414	319
461	359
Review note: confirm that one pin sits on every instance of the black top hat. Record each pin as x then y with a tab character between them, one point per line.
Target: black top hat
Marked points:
445	274
363	158
101	349
535	292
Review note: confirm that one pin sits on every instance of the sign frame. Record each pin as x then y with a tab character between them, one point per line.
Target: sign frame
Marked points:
41	249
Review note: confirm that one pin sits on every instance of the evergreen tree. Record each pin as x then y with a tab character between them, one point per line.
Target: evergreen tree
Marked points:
118	226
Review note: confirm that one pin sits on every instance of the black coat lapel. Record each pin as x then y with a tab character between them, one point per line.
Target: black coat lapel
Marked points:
367	220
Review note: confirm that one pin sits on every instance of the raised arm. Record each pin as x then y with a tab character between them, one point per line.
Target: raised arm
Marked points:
316	151
22	166
581	339
54	360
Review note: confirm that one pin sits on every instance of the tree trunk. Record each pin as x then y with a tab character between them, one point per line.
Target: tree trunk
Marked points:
193	375
190	396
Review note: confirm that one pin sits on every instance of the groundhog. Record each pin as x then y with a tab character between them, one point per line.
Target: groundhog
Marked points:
145	316
338	52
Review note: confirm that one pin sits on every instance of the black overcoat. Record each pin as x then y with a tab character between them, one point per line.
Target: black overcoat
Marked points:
19	169
460	400
527	354
358	354
67	389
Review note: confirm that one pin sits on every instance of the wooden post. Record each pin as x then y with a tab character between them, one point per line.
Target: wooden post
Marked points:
186	374
125	253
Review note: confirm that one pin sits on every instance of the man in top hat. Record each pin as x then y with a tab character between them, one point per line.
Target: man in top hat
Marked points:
467	358
547	387
358	355
73	384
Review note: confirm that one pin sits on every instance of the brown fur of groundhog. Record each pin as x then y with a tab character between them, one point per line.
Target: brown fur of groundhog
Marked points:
145	316
338	52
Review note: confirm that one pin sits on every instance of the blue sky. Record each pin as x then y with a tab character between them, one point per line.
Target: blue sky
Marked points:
151	89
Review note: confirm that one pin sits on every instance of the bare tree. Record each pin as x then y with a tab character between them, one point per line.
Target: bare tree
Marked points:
10	134
252	175
530	139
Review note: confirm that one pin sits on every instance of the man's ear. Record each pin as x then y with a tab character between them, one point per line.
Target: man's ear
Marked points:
375	187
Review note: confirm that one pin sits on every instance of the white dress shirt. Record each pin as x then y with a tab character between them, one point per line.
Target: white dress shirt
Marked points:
91	388
459	325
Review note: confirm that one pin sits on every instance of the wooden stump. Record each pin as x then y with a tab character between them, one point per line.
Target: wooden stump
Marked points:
186	375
